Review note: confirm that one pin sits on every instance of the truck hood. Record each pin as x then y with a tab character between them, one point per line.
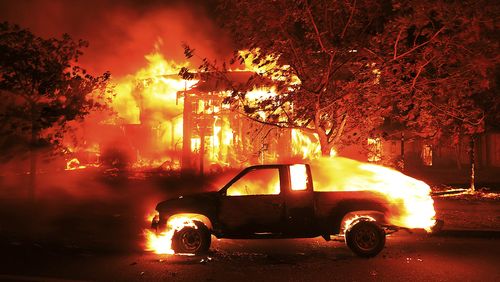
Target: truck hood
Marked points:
200	202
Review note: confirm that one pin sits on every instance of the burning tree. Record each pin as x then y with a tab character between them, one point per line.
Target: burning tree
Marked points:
42	89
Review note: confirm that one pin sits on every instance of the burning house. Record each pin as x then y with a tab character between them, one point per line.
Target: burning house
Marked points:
214	136
164	121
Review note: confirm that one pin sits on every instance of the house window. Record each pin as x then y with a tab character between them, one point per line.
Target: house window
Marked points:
427	155
374	149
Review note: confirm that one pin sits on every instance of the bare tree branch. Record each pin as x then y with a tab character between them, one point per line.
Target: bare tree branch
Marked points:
349	20
318	35
276	124
340	130
396	44
420	45
465	120
420	69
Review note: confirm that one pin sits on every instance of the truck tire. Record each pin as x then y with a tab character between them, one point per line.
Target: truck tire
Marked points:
365	238
191	240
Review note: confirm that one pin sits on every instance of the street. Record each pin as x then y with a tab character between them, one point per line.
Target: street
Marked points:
99	237
406	257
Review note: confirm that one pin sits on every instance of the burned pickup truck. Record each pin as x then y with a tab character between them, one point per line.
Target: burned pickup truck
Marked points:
276	201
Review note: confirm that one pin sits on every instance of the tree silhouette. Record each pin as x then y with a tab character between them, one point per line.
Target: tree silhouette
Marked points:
439	58
42	88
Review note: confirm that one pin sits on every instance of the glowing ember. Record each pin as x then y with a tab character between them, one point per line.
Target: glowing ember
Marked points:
161	243
348	222
411	203
74	164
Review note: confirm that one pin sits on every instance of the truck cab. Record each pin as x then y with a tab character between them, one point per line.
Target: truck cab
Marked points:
268	200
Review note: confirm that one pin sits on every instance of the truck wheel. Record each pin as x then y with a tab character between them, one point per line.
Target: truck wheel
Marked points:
191	240
365	238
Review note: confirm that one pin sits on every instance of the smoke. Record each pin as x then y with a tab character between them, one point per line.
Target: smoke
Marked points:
120	33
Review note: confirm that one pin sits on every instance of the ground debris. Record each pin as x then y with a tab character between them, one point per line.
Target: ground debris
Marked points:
461	193
408	260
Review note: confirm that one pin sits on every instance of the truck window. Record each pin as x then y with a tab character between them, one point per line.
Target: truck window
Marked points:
257	182
298	177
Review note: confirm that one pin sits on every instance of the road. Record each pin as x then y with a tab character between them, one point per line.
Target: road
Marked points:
83	231
453	256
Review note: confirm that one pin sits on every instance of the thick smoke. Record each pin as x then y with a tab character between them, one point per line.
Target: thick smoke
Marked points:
120	33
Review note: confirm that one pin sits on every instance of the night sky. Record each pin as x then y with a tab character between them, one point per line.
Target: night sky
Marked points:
121	32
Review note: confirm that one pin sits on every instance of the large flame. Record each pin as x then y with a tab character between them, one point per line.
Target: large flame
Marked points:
307	145
74	164
151	93
411	203
161	243
153	97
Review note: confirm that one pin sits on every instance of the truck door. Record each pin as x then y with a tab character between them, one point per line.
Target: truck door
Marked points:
299	199
253	203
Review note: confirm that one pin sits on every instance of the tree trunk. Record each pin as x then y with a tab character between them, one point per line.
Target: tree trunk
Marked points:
326	150
33	163
472	187
325	146
402	165
459	153
325	142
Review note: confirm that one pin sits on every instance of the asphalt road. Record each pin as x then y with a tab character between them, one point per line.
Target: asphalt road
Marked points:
86	232
452	256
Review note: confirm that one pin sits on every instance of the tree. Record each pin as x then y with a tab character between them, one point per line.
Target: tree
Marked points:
344	68
313	52
42	88
440	57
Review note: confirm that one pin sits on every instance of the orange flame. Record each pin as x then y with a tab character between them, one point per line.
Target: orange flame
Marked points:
161	243
260	182
74	164
349	221
307	145
411	203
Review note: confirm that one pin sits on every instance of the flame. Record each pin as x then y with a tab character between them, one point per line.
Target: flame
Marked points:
151	93
74	164
150	97
411	205
307	145
256	182
266	65
349	221
261	93
161	243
